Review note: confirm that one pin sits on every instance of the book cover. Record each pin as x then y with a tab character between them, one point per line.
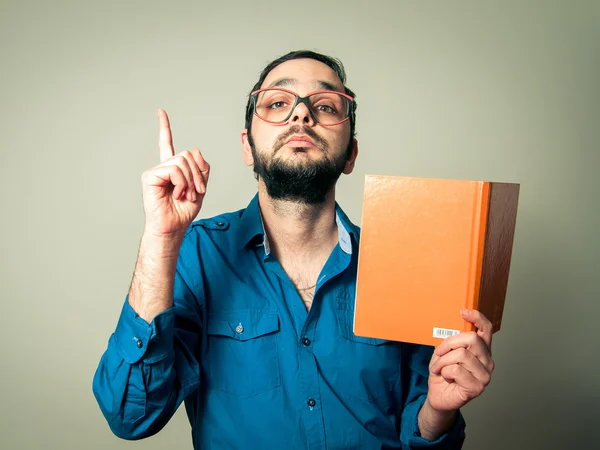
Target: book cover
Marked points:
428	248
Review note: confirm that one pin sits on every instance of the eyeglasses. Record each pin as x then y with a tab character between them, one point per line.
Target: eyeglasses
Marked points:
276	105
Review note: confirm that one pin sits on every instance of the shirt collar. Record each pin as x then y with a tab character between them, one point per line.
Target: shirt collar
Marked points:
253	231
251	223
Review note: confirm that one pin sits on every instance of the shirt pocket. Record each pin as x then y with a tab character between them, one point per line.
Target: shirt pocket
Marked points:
370	366
243	356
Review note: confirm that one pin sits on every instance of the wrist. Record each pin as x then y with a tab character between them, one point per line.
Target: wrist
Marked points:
439	413
151	289
434	422
161	246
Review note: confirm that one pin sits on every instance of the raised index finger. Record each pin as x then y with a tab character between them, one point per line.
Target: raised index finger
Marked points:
165	139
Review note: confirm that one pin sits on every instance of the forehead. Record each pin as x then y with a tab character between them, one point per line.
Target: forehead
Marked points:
303	75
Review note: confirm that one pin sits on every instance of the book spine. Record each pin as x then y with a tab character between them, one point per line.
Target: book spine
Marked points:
480	213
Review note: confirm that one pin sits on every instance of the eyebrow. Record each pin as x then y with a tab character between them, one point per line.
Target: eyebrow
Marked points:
287	82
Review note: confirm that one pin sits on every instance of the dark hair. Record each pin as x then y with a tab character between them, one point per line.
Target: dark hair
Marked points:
335	64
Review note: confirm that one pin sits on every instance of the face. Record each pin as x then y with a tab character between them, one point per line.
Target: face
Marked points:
300	160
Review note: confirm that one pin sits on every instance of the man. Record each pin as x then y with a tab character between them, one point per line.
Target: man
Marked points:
247	316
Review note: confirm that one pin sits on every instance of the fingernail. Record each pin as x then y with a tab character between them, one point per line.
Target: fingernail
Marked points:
464	312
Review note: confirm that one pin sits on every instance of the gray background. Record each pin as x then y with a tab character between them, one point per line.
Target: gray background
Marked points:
504	91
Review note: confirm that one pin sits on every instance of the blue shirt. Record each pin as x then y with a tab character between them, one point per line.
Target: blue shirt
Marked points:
254	368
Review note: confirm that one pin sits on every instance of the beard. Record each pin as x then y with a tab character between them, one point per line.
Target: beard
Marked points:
301	181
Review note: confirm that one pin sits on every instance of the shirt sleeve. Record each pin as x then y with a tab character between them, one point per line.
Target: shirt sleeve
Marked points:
147	370
416	366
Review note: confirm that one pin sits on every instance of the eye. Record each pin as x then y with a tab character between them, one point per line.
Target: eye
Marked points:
326	109
278	105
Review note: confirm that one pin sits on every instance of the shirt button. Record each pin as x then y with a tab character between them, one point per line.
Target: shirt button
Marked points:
139	343
306	342
239	329
220	224
311	402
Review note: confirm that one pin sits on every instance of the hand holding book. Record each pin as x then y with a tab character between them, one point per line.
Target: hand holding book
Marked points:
461	366
459	370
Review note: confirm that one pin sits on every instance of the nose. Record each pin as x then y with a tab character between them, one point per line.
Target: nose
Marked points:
301	114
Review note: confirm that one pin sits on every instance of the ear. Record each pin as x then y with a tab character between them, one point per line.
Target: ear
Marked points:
246	150
349	167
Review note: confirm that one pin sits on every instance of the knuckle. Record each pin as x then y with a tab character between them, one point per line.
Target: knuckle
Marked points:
183	165
176	168
452	370
487	378
194	166
482	385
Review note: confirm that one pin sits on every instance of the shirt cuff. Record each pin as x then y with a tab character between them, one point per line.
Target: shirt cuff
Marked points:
136	339
411	435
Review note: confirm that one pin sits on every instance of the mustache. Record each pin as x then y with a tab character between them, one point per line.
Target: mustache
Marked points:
297	129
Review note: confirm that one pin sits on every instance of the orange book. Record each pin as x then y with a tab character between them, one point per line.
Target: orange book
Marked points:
428	248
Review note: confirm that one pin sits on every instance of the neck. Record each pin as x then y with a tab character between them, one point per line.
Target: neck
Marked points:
294	227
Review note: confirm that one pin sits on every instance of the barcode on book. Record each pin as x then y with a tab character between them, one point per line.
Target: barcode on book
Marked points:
443	332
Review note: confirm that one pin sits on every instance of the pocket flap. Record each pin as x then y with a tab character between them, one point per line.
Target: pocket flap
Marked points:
243	325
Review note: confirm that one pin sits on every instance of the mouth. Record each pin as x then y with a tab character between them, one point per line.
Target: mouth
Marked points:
300	141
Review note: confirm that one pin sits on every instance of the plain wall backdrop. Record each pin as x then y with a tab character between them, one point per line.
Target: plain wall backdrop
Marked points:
503	91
